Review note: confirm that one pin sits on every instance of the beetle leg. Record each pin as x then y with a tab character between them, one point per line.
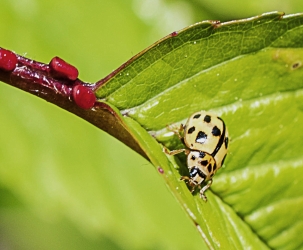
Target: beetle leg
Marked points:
185	178
177	151
202	191
190	182
177	131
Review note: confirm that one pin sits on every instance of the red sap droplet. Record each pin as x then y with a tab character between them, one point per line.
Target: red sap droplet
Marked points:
84	97
61	69
8	60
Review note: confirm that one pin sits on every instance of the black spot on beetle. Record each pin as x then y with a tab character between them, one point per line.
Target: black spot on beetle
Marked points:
226	142
215	166
196	171
193	172
193	157
201	137
191	130
207	118
223	160
209	168
220	142
216	131
197	116
204	163
201	154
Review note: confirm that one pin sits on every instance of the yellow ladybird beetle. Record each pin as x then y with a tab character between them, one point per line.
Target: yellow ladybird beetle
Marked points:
206	138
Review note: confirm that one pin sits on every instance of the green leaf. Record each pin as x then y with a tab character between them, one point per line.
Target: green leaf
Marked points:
250	73
60	167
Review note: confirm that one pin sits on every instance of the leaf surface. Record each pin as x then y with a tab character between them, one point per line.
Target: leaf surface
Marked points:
249	72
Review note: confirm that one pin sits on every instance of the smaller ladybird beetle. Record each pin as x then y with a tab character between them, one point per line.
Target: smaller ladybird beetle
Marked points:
206	138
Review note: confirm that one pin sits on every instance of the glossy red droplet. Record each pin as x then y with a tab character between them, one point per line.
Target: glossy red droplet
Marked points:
61	69
8	60
175	33
84	97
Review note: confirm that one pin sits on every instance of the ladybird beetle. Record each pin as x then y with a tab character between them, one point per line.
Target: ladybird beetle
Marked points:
206	138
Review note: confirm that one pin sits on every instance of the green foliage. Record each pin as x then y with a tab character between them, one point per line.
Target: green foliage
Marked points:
62	174
250	73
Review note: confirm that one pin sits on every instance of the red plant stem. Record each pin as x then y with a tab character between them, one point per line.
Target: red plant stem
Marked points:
39	74
34	76
32	64
38	79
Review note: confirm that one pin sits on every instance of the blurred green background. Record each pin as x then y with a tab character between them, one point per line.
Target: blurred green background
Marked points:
65	184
